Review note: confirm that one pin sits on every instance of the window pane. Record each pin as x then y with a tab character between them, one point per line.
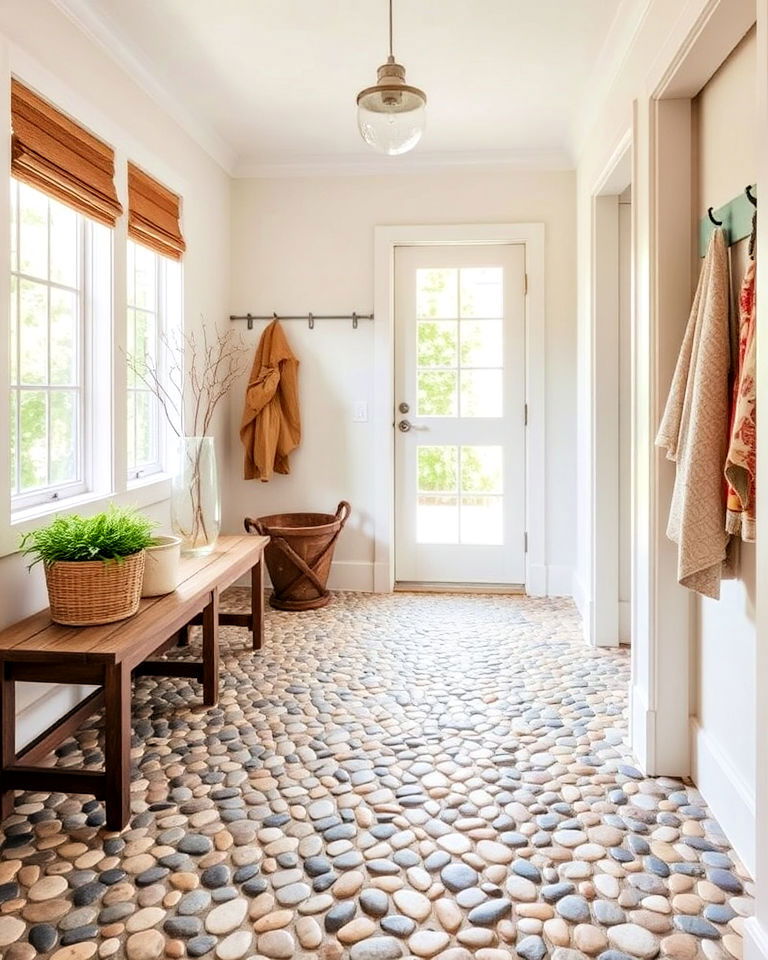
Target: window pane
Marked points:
33	232
14	330
130	268
482	292
481	343
144	431
437	469
438	342
481	469
437	293
64	245
145	277
64	324
481	394
437	394
482	520
33	453
13	434
33	304
64	433
131	426
437	520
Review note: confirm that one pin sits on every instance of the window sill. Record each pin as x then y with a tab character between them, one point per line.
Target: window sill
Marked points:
140	493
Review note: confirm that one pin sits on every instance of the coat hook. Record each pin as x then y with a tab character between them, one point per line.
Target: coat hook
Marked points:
354	321
750	196
710	214
274	316
311	321
249	318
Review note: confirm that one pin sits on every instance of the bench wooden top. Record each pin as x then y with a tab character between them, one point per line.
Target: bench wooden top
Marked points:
38	638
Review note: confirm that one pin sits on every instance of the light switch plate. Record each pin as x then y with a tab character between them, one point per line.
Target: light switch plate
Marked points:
360	411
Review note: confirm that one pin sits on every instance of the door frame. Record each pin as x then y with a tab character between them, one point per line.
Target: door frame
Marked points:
386	239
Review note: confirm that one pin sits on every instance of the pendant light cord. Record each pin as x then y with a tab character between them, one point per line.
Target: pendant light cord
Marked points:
391	54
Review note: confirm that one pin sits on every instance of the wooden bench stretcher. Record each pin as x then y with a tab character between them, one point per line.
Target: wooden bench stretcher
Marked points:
40	651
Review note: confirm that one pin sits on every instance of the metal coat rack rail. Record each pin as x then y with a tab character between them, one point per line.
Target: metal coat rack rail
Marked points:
308	318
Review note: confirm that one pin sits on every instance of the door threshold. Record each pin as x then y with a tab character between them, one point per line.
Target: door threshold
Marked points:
408	586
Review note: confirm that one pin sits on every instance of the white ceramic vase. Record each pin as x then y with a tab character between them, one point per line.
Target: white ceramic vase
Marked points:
161	567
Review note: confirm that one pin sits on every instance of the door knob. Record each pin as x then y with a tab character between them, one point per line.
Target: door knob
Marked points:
403	408
404	426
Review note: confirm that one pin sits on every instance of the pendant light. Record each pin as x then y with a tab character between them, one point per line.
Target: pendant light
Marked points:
391	115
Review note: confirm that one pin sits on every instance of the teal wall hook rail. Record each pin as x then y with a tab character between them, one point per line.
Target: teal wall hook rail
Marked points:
736	216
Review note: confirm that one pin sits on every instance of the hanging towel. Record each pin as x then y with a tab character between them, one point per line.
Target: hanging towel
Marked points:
271	427
740	466
694	430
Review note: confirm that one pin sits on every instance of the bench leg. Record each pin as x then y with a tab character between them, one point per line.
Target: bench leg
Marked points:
7	735
117	745
211	651
257	603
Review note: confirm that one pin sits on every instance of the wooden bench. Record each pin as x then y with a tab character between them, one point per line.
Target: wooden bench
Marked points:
38	650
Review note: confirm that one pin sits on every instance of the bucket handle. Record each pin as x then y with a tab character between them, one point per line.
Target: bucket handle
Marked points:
254	526
342	513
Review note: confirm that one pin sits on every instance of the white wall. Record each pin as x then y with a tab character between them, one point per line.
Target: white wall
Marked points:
724	723
625	415
307	244
44	48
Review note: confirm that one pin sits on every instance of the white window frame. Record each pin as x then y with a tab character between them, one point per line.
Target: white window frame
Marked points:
94	277
164	326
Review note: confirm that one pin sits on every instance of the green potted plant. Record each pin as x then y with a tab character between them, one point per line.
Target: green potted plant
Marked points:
94	566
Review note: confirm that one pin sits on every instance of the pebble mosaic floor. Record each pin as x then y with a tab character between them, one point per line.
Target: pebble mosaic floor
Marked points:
393	776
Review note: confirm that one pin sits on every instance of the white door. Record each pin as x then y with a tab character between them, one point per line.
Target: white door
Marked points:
460	414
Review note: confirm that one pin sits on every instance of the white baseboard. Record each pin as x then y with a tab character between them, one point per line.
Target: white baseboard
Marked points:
642	725
755	940
559	581
41	704
726	792
536	580
349	575
625	621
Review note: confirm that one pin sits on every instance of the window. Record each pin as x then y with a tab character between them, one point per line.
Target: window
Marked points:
48	340
154	316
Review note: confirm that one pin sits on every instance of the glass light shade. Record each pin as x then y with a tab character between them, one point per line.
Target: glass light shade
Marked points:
388	127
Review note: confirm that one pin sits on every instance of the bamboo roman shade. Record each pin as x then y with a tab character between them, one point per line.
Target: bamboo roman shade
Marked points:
56	155
154	214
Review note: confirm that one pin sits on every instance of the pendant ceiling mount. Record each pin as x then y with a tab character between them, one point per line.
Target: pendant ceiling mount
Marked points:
391	115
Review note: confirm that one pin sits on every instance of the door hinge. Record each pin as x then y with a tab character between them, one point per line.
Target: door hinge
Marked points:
525	291
525	540
526	415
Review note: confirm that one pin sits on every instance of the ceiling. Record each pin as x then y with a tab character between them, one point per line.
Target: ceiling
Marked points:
271	84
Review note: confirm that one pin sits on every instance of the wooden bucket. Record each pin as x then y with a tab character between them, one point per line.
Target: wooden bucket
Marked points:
299	555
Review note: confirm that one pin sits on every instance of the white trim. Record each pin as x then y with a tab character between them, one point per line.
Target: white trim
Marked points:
625	621
352	165
755	940
98	30
560	581
728	795
386	239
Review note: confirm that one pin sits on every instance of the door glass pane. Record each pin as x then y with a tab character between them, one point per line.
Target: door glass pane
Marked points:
482	292
33	331
481	343
437	293
481	469
63	435
64	244
482	520
33	414
438	342
33	232
63	337
481	393
437	394
437	469
437	519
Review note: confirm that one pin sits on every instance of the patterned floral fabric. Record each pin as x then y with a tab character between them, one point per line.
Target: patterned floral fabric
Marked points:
740	467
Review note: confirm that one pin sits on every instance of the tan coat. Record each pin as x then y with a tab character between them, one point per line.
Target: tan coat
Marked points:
271	426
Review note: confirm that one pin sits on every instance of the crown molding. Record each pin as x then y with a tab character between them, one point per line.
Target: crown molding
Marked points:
98	29
622	33
355	165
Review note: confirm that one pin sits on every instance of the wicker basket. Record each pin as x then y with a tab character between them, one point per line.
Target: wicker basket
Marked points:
84	593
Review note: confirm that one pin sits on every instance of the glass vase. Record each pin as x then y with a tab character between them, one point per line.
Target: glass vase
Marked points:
195	498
